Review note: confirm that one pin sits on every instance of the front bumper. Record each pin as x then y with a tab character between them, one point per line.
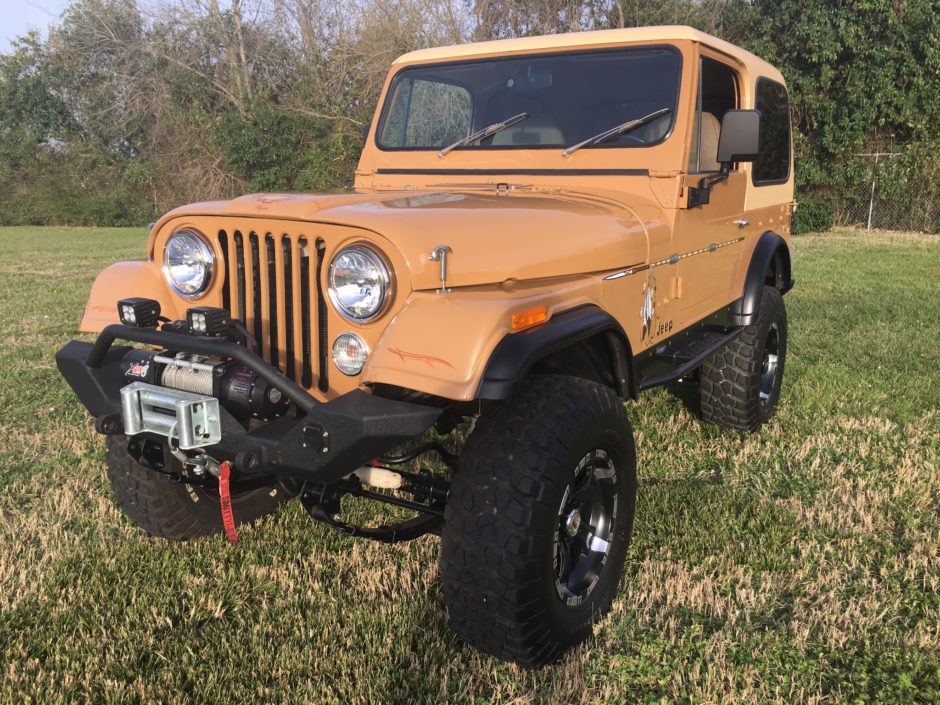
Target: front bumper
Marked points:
321	442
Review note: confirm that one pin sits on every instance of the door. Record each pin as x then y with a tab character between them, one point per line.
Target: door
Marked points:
710	237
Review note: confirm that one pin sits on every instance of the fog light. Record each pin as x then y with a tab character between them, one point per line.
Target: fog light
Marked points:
205	320
349	354
140	313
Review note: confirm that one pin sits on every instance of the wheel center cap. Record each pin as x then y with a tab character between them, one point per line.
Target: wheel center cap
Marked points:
572	522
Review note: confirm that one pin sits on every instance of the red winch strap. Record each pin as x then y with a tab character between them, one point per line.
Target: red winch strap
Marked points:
225	501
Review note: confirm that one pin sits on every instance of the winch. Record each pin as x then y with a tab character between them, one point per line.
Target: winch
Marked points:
240	390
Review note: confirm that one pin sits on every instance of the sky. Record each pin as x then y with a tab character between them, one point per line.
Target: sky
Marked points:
17	17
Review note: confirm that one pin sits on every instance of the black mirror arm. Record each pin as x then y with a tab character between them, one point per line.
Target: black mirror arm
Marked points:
700	196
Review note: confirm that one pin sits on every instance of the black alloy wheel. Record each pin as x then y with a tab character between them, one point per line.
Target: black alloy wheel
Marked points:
587	518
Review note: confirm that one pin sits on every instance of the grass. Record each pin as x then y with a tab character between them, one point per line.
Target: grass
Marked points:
798	565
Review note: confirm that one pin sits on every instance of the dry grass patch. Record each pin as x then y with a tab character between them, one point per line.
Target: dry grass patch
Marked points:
796	565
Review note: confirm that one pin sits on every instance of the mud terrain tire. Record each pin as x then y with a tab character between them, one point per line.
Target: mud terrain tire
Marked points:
740	385
507	535
168	509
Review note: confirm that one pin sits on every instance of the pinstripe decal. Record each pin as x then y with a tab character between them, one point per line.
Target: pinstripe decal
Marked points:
672	259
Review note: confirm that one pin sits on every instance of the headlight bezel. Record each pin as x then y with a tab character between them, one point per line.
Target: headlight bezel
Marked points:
387	282
208	255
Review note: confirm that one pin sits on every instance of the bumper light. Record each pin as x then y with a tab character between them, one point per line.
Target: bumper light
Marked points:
139	313
350	354
206	320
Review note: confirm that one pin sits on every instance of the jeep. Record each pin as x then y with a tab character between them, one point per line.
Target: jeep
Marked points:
540	229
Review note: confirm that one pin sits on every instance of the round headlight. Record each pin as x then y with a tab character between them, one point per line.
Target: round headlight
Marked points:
349	354
187	263
359	283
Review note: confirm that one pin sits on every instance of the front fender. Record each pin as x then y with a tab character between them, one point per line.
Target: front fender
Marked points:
440	344
123	280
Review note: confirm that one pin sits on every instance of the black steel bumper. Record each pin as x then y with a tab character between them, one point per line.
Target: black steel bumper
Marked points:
322	442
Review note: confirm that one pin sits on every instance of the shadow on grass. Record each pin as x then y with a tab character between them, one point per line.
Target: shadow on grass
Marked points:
703	519
687	393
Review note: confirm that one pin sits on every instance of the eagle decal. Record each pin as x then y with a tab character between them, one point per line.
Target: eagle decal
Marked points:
648	309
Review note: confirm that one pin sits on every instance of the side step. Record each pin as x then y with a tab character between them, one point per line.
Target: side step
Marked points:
680	355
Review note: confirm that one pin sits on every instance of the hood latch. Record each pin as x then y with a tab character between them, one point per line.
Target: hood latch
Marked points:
439	254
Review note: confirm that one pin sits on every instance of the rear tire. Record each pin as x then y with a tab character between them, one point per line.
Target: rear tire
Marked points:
168	509
539	519
740	385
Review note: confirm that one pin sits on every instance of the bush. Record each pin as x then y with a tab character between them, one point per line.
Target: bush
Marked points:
813	217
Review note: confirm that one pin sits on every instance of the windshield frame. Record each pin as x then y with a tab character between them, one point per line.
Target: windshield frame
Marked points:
388	97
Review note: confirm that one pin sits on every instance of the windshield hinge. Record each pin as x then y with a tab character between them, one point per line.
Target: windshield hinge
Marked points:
665	174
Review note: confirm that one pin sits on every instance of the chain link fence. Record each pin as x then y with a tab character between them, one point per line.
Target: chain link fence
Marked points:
889	194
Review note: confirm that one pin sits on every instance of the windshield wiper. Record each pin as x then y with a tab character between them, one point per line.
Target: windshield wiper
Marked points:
484	133
615	131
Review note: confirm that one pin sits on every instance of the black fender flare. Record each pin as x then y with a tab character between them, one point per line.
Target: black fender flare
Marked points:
770	263
514	355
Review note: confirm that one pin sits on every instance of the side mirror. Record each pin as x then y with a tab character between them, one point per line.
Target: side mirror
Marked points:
739	137
737	142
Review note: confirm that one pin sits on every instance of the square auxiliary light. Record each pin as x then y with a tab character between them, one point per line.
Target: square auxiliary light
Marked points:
139	313
206	320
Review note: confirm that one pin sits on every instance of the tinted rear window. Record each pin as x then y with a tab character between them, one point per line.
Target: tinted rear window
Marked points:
773	159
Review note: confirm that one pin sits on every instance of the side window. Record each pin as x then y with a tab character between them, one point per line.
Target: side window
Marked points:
717	94
772	165
427	113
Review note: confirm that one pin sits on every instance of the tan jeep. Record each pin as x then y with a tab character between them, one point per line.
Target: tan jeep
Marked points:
540	229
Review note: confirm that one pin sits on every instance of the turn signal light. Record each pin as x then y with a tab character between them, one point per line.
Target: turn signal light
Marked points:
529	318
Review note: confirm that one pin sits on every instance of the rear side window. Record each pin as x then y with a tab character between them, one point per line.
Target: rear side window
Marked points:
772	165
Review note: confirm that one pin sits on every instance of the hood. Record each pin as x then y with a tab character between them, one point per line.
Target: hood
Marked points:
518	235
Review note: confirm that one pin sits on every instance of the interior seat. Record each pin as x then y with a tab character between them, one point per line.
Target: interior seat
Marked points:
535	130
711	129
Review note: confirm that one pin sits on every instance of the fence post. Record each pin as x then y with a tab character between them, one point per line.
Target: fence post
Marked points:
874	177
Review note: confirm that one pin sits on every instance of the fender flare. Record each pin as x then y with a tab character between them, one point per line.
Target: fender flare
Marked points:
770	260
515	355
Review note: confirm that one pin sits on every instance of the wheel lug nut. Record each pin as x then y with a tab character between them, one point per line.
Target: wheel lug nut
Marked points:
572	522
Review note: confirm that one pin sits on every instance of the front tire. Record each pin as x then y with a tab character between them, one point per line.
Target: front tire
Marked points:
538	520
166	508
740	385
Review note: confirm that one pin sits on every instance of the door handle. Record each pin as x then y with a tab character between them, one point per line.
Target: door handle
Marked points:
741	222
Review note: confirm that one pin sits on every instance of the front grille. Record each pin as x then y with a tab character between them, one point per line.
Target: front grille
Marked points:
270	282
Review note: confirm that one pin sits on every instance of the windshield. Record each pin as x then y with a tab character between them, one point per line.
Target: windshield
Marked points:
567	98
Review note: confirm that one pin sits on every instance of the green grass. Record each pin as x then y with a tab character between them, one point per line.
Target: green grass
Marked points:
796	565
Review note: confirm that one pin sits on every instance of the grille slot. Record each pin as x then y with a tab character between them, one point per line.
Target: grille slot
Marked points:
239	270
287	253
306	377
256	293
273	308
227	284
321	315
268	287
